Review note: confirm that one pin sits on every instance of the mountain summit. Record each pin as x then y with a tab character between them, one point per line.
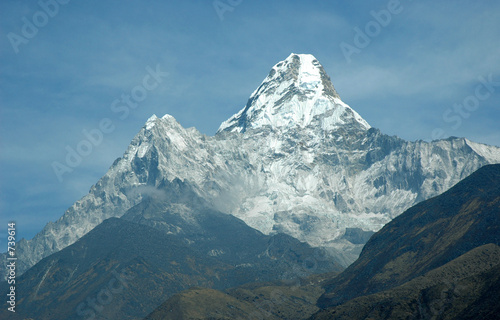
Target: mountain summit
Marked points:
295	160
297	92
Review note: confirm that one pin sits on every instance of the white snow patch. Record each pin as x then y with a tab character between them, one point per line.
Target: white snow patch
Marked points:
177	139
151	122
490	153
143	148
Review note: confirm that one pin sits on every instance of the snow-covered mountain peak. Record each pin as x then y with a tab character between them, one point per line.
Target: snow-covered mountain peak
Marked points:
296	93
291	172
304	71
167	122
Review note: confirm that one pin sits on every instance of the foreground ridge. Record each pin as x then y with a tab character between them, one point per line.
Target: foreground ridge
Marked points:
440	258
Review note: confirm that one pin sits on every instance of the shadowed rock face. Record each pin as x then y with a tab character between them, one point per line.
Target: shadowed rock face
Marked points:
464	288
125	267
296	159
423	239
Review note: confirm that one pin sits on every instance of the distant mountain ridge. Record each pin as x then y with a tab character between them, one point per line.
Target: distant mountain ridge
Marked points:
296	160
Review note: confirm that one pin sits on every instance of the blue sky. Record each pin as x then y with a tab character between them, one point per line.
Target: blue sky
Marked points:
409	75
